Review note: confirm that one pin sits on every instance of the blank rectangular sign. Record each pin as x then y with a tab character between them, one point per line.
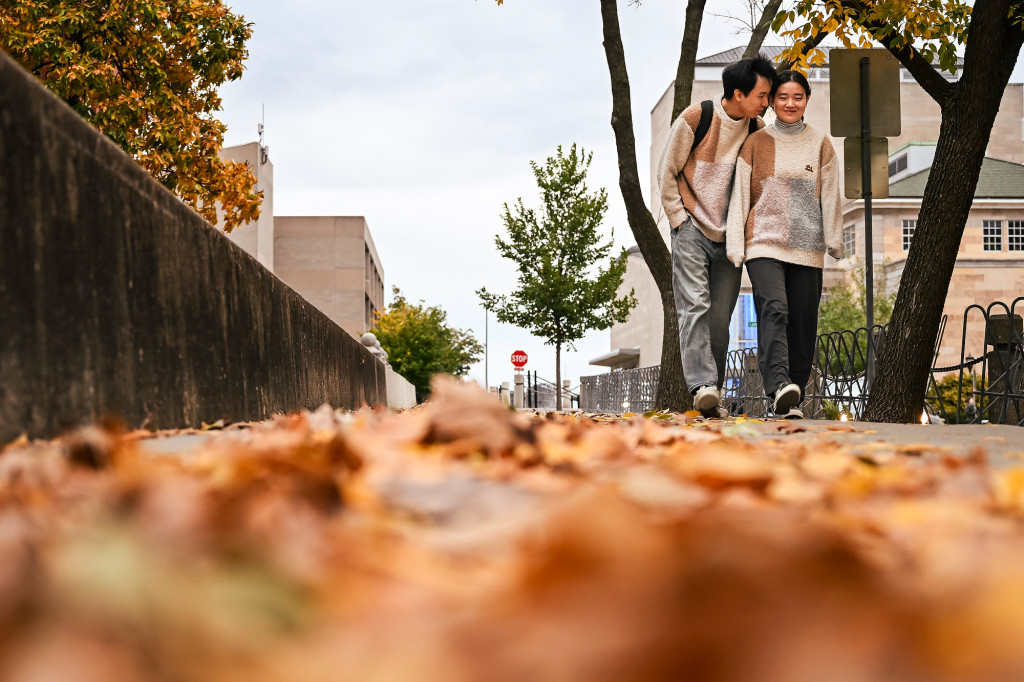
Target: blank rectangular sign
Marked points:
879	168
883	92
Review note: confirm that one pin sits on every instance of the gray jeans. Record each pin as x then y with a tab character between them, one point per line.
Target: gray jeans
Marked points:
705	285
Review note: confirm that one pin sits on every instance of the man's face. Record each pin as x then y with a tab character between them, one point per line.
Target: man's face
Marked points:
756	103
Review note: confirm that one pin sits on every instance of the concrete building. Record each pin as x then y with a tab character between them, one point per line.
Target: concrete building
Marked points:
330	260
257	238
637	342
333	263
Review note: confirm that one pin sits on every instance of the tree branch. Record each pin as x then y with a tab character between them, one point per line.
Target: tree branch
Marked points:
672	393
927	76
645	229
687	57
760	31
809	45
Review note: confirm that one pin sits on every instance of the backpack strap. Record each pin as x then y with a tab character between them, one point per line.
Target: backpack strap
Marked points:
706	112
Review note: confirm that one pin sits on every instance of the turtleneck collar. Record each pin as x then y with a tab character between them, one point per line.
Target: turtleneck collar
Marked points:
794	128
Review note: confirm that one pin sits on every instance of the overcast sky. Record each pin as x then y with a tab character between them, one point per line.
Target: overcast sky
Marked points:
423	116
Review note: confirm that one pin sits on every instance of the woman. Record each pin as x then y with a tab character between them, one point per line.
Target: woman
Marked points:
784	215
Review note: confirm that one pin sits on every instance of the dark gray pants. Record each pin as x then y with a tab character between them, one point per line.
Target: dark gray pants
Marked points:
786	298
706	286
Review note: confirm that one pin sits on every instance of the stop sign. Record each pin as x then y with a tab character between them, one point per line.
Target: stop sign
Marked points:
519	359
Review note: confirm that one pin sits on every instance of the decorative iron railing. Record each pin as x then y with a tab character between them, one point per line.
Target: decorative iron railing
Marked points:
843	369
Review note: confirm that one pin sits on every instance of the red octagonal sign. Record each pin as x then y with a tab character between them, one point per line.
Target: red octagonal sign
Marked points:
519	359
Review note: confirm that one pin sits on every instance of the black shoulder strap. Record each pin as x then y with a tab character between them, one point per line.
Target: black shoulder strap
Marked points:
706	112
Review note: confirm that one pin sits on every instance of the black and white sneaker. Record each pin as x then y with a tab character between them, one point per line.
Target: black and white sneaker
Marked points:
786	398
794	413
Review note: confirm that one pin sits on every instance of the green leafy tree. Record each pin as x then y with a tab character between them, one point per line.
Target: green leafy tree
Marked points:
926	36
844	305
953	388
146	73
421	344
563	291
844	308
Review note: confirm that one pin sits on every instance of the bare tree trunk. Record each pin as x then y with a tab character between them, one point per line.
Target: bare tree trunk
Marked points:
968	112
760	31
558	376
672	393
687	57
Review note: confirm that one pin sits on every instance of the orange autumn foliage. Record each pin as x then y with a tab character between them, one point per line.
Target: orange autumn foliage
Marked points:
146	73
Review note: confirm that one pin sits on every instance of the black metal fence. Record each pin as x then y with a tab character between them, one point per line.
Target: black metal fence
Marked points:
843	369
539	393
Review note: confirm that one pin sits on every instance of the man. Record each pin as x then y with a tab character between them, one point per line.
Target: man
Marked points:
695	182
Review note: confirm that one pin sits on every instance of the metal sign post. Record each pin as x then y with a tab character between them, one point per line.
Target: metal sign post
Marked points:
873	109
865	164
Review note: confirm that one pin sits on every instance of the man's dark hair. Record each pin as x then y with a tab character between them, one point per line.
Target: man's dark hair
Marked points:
742	75
791	77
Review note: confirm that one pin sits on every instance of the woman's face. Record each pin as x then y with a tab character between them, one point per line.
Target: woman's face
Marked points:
790	102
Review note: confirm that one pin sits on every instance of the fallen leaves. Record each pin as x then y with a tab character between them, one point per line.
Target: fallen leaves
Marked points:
463	541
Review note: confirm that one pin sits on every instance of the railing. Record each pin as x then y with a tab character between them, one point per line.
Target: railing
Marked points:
841	376
539	393
629	390
1000	398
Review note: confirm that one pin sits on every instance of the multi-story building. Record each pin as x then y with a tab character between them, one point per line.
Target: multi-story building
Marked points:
330	260
637	342
256	238
333	263
990	262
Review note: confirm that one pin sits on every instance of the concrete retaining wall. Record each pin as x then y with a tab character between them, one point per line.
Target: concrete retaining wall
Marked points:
401	393
117	299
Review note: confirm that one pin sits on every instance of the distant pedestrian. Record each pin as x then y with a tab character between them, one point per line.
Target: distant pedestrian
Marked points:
783	216
694	176
971	411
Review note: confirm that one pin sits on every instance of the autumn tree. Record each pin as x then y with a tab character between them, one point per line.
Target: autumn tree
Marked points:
567	283
421	344
926	36
146	73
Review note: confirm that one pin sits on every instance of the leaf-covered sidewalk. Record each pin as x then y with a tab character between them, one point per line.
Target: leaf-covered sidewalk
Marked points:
462	541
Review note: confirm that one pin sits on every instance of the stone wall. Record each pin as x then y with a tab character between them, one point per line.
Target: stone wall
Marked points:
117	299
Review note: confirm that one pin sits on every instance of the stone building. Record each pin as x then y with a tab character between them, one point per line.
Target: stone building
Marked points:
637	342
990	262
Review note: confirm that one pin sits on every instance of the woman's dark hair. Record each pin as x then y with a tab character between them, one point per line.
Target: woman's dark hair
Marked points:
791	77
742	75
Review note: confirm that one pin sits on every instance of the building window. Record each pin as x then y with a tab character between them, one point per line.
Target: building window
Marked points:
1015	235
849	241
992	235
908	233
897	165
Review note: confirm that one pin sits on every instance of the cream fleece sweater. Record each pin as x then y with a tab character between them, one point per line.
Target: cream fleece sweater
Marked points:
697	184
785	199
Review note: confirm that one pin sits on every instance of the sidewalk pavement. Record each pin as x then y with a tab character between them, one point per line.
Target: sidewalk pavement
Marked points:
1002	444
